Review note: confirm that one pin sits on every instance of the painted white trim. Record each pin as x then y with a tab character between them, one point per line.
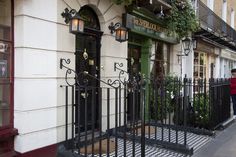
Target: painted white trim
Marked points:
232	17
210	4
224	10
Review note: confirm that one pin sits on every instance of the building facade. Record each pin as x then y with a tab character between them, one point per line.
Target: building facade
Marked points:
34	38
215	40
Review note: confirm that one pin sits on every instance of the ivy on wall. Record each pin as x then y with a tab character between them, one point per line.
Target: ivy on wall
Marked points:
182	19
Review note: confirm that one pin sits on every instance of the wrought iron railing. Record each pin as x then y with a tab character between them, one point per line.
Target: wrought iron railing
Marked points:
210	20
128	117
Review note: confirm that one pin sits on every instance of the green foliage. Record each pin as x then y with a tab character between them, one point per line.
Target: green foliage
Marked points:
182	19
201	110
125	2
166	90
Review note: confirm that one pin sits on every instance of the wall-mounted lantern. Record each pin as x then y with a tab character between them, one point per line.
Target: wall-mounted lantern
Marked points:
187	45
121	32
76	23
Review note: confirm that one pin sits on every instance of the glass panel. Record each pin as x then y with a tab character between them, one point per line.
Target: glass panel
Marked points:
134	56
196	71
196	58
5	61
5	19
201	72
5	49
4	105
202	59
90	17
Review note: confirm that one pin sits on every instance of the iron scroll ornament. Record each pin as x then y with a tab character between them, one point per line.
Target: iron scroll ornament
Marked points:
133	82
85	81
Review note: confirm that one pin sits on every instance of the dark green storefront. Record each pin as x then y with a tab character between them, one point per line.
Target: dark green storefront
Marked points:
144	30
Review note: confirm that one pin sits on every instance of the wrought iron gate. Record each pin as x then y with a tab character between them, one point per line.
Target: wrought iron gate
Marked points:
164	113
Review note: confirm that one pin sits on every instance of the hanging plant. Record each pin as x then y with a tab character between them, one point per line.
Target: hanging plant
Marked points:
182	19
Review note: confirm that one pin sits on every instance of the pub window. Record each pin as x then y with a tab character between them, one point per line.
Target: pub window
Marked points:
199	65
5	64
161	60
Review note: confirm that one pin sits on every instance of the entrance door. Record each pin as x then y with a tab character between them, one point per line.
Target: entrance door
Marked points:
88	61
134	69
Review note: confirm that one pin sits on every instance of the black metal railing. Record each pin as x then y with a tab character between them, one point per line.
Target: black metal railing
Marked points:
213	22
133	117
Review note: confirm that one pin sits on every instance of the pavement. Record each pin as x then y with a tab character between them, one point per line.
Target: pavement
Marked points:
223	145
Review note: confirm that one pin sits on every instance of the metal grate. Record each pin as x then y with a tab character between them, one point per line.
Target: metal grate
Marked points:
194	140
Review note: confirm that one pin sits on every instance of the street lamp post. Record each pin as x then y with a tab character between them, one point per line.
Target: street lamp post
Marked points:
187	45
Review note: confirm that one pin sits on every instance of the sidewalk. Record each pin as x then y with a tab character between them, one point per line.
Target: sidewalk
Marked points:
223	145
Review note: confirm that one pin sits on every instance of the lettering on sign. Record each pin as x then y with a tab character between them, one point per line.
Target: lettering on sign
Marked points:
148	25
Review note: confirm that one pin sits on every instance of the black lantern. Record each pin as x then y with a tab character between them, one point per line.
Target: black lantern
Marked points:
76	23
121	32
186	44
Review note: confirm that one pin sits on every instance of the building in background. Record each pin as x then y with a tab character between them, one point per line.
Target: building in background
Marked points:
216	40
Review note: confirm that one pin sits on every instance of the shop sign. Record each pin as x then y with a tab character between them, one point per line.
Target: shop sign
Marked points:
204	47
225	54
147	28
3	47
3	68
233	56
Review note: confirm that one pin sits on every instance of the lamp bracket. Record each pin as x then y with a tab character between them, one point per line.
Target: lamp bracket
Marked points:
68	14
113	26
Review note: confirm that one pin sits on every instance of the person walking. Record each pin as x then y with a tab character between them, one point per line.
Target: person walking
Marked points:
233	90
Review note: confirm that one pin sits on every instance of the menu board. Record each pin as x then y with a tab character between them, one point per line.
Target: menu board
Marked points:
3	68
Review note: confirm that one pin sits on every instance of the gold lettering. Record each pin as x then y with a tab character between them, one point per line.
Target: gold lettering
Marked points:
148	25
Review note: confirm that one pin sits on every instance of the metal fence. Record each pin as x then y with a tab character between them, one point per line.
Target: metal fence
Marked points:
129	117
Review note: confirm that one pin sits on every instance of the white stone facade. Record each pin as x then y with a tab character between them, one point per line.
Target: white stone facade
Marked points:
41	39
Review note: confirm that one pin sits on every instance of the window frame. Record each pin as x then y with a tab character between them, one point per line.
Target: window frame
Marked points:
6	129
198	65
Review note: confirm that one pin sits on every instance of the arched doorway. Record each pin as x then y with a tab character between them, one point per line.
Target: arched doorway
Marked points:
88	60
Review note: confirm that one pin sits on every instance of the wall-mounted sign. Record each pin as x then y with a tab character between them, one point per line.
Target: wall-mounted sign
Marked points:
3	47
3	68
147	28
205	47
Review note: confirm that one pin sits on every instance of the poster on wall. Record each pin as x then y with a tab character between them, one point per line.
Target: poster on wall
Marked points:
3	47
3	68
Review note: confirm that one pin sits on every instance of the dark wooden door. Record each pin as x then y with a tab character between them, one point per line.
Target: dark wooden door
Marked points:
88	61
134	69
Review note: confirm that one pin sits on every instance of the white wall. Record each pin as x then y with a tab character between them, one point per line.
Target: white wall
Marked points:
217	68
35	97
175	62
41	39
189	64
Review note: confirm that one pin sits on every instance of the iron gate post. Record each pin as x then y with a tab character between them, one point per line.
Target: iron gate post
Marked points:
143	100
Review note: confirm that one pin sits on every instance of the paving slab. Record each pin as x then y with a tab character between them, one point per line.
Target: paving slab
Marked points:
223	145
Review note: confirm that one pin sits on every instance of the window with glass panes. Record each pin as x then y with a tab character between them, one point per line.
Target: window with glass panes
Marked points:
6	52
199	65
